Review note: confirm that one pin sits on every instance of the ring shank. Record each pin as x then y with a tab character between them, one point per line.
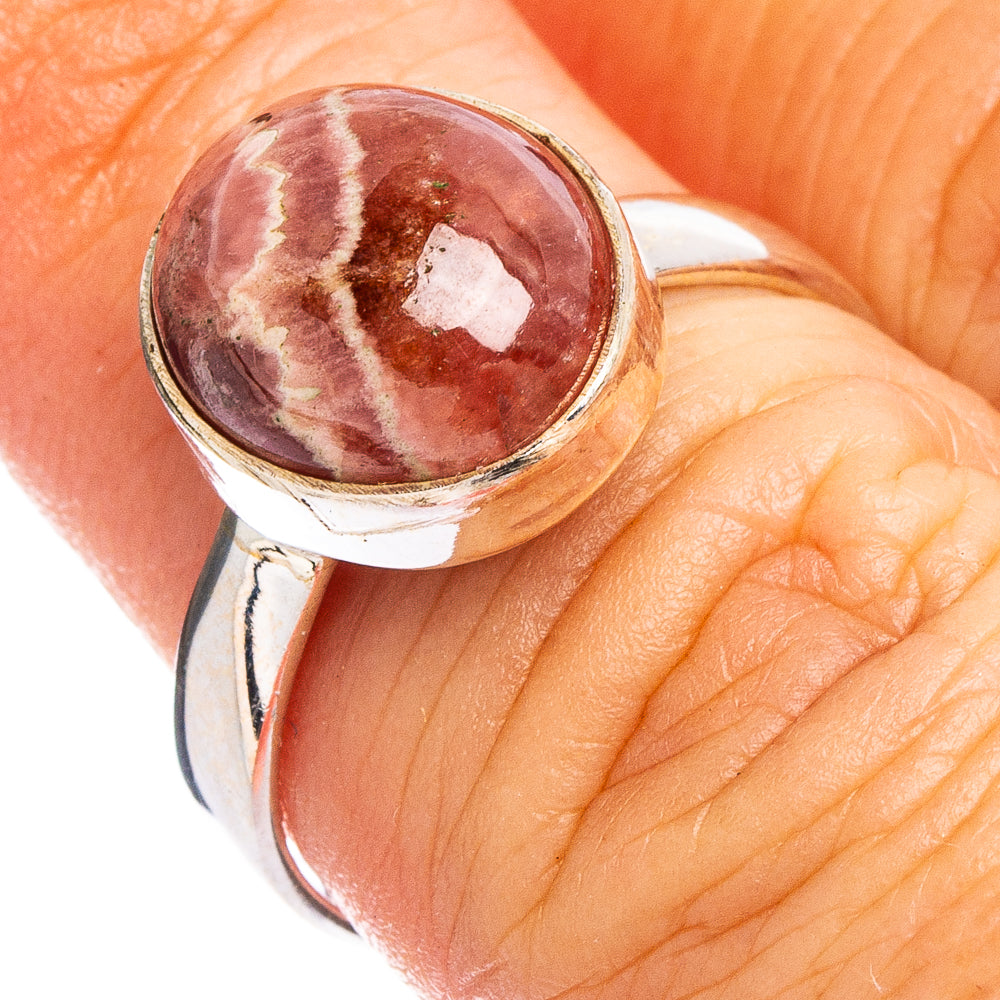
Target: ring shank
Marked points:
693	242
243	636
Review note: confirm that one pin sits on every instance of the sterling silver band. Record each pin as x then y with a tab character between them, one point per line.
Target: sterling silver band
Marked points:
256	599
247	623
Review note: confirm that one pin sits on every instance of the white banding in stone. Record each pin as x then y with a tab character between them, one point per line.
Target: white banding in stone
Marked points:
462	283
305	411
248	318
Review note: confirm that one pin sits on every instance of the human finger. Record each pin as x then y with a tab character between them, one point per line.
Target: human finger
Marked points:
729	730
590	565
869	129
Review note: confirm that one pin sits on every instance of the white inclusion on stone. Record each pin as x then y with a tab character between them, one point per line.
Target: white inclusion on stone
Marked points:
462	283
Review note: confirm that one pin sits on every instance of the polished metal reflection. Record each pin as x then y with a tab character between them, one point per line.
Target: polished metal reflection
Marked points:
686	241
246	626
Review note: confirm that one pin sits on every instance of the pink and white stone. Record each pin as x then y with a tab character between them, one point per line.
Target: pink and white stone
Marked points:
374	286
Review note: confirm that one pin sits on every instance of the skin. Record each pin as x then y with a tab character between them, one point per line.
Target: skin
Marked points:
731	729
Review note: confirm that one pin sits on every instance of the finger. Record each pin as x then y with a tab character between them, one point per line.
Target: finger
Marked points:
729	730
502	615
868	129
106	105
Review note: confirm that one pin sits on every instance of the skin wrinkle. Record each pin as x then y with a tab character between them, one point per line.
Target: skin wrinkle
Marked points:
925	290
743	80
937	840
920	281
736	954
824	864
369	35
880	95
782	587
737	135
615	778
845	855
870	249
601	983
813	110
481	39
148	65
765	907
276	68
794	106
518	559
567	610
91	188
731	977
353	631
564	851
988	565
717	936
873	249
859	42
912	550
455	966
428	713
443	849
977	650
749	720
983	927
507	574
719	939
918	873
698	811
783	380
941	260
783	385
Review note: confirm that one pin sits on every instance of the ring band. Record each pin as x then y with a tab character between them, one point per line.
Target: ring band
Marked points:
578	350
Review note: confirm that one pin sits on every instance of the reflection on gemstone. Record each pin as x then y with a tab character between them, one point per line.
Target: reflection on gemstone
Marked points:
376	285
462	284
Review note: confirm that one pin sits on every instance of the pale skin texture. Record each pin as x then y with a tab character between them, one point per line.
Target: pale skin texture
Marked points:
732	729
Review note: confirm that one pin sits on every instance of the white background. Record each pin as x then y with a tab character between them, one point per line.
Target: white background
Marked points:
113	882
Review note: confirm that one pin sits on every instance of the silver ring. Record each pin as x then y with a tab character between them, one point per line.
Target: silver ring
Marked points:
307	306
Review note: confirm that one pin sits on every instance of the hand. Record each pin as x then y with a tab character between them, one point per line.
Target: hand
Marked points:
730	727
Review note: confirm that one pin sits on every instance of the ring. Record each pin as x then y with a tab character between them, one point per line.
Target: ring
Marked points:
406	329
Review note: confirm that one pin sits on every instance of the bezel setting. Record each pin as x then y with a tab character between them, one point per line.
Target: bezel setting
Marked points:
489	509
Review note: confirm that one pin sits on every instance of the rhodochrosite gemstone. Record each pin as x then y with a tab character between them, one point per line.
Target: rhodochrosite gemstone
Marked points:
374	285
